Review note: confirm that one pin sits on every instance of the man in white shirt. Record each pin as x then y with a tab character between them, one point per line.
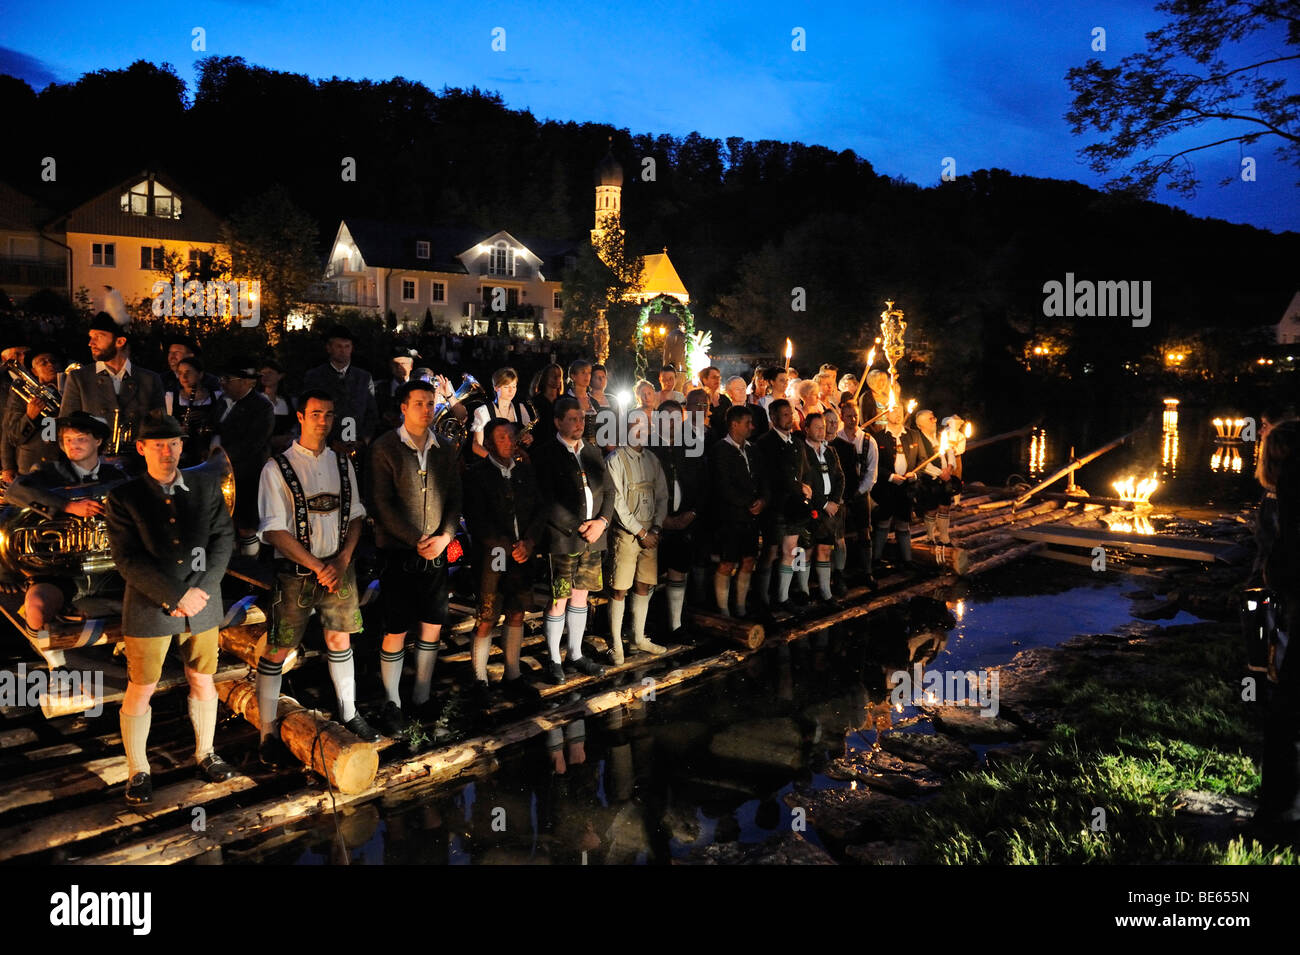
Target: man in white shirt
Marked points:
311	514
640	506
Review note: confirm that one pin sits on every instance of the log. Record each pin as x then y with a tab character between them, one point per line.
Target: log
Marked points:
323	745
956	559
248	642
744	632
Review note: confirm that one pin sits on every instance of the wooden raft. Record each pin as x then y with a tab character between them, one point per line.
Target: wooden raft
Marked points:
165	834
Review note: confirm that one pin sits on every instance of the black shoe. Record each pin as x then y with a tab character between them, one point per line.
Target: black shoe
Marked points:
799	598
520	691
838	589
588	667
139	791
430	710
827	601
274	755
362	730
871	583
684	638
480	695
391	721
555	674
215	769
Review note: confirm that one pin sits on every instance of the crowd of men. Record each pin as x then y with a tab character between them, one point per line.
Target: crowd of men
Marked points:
767	495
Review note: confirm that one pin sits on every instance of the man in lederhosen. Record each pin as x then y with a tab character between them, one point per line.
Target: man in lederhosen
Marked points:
826	478
311	514
640	506
80	438
113	383
244	433
415	496
736	499
783	466
895	488
859	459
506	517
573	480
687	478
171	539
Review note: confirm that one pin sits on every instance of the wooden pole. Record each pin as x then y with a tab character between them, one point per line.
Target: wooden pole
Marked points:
1062	472
325	746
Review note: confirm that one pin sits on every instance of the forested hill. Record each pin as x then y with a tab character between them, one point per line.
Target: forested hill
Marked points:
745	221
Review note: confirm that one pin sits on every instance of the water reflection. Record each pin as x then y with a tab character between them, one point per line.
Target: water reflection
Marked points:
707	771
1037	453
1226	460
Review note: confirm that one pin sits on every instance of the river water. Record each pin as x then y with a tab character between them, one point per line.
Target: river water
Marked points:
708	763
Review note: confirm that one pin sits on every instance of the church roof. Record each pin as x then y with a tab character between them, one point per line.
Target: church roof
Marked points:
609	172
660	277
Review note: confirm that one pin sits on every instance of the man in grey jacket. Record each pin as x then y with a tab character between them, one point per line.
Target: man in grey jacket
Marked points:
640	506
171	538
415	494
113	385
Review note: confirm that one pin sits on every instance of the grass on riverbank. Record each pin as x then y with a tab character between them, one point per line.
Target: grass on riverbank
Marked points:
1141	724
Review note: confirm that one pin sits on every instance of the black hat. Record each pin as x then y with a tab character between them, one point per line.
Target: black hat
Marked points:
87	423
103	322
669	366
157	426
242	367
339	331
410	353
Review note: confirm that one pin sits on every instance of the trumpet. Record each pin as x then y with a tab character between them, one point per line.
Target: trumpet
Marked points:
27	385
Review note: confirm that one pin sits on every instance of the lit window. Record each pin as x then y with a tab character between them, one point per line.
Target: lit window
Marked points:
557	300
151	198
421	250
103	253
439	292
408	290
503	259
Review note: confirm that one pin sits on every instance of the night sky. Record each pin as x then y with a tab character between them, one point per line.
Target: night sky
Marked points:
981	81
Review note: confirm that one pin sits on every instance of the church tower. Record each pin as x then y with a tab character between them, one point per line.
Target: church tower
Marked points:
609	192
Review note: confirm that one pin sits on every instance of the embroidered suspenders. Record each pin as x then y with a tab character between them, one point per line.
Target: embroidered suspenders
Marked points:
318	502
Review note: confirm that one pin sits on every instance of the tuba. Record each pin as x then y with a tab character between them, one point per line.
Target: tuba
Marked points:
70	546
445	425
27	386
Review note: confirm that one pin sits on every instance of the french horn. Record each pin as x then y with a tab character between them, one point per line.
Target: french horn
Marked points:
69	546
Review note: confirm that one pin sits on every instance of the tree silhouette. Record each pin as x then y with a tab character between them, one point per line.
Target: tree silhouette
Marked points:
1153	96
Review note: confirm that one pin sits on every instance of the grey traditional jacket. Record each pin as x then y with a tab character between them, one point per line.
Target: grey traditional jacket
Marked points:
407	504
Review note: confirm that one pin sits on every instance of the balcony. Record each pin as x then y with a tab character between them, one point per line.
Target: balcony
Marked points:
19	271
342	267
339	293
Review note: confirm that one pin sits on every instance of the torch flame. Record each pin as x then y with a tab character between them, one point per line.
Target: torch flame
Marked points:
1139	492
893	400
968	429
911	405
871	358
789	350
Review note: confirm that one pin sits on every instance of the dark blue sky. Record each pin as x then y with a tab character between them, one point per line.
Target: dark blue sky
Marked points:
982	81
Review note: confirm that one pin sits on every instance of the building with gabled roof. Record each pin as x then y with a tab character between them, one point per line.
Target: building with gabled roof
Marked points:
454	273
124	237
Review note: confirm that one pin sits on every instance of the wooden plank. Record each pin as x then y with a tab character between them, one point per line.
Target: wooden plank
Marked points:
87	822
1184	548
